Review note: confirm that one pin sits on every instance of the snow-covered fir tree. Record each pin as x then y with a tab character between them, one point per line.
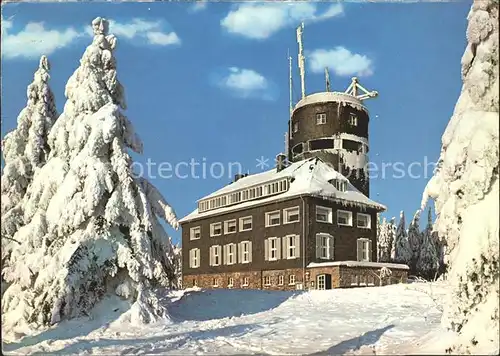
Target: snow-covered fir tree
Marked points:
427	264
465	189
92	224
415	239
384	241
178	265
403	252
391	232
24	150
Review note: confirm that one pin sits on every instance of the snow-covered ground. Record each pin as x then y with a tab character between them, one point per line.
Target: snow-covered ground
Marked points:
382	320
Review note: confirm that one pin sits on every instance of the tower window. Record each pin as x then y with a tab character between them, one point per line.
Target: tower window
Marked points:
295	127
321	118
320	144
353	119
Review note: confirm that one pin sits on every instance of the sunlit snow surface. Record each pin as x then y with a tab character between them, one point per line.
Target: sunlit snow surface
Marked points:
382	320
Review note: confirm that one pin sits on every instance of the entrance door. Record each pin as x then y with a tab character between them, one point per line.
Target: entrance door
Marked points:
324	281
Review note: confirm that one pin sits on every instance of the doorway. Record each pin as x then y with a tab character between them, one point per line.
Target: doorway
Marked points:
324	281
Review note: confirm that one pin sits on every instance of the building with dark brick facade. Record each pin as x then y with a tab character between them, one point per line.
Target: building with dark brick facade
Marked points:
308	222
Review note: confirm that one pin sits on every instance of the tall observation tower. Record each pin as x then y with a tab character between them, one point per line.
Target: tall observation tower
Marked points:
331	125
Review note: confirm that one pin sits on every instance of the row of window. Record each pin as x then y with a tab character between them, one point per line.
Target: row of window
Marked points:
321	120
273	218
329	143
247	194
276	248
344	217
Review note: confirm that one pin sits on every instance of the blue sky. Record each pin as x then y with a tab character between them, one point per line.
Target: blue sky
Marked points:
209	81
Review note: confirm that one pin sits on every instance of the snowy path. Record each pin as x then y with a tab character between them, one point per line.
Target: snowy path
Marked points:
360	321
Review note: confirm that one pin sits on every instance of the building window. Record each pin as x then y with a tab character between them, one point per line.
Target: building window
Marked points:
245	252
267	280
230	282
353	119
194	258
195	233
321	118
363	221
273	218
281	280
354	280
245	282
230	227
215	255
291	279
364	250
321	281
215	282
323	214
246	223
340	185
296	126
344	218
229	254
291	246
195	282
216	229
272	249
324	246
291	215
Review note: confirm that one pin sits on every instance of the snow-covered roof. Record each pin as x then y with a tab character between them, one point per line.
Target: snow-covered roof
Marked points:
358	264
308	177
344	98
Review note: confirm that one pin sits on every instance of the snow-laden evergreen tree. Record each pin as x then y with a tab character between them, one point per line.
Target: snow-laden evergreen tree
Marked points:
403	252
465	189
384	242
24	150
427	264
178	266
391	232
92	224
415	238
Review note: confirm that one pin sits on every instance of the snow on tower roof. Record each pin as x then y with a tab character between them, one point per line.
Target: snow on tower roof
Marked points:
308	177
344	98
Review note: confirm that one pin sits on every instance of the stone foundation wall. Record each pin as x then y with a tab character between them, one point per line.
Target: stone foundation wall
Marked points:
254	279
348	277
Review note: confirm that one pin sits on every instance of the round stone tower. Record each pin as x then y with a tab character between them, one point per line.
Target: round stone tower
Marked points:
334	127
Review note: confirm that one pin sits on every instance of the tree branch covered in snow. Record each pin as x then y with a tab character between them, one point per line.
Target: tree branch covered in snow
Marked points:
91	228
465	188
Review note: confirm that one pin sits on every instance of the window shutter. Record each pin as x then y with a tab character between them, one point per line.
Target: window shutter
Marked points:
191	258
225	254
211	259
278	248
266	249
284	244
250	251
360	249
240	252
318	246
370	250
297	246
331	248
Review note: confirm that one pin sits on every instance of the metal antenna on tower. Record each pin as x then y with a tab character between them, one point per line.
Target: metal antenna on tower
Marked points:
301	60
327	78
290	81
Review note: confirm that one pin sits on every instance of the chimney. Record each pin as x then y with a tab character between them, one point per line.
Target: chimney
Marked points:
280	162
238	176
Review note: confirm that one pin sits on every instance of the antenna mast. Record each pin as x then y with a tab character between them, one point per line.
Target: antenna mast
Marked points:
301	60
327	78
355	86
290	81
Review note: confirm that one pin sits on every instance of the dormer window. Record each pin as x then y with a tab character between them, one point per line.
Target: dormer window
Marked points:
340	185
321	118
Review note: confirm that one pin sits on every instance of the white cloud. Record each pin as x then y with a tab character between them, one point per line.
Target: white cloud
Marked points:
246	83
35	39
342	61
199	5
259	21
